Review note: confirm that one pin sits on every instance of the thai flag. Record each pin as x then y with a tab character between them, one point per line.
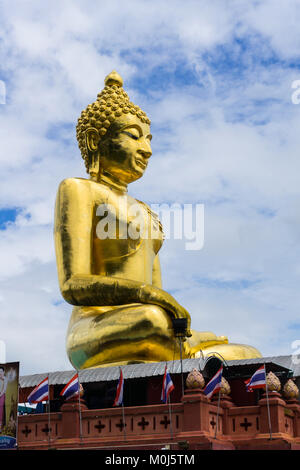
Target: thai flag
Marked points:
214	384
258	379
71	389
40	392
167	386
119	395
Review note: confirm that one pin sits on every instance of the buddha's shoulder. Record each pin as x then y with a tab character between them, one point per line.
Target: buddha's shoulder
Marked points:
70	183
79	185
148	208
144	204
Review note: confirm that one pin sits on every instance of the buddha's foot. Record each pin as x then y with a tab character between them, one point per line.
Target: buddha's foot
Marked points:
203	344
230	352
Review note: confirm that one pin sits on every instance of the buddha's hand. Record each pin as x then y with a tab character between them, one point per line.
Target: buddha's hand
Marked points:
149	294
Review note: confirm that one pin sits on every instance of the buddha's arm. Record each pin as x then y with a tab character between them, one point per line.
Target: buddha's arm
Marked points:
156	273
73	228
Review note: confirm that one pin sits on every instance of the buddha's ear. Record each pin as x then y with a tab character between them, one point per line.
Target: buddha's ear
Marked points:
92	142
92	139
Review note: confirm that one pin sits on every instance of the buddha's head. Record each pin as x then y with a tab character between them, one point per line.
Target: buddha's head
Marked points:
114	134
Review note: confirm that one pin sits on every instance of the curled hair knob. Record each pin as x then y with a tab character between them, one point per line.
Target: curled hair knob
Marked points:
113	79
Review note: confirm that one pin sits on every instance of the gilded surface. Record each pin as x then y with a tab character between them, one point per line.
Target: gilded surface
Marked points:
225	387
195	380
290	390
273	382
121	313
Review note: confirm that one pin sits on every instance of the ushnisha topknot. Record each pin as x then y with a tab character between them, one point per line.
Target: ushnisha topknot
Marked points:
111	103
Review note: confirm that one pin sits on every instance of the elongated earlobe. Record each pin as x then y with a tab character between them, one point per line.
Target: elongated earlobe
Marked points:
94	165
92	143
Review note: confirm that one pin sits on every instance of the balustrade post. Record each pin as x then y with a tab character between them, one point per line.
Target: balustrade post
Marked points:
277	405
71	419
294	405
195	411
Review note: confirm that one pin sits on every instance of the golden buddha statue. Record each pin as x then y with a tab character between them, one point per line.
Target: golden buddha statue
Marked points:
121	314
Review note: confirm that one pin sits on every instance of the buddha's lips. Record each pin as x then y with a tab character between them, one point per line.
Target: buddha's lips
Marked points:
141	163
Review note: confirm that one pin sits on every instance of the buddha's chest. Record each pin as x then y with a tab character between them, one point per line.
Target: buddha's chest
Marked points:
124	227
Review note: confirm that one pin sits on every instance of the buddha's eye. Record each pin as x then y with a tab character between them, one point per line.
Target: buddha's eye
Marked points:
135	137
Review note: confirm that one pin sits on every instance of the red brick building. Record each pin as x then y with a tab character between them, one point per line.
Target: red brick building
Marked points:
191	421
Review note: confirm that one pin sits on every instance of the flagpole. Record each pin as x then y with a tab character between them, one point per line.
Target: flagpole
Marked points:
123	412
182	381
170	417
218	410
79	405
49	427
268	405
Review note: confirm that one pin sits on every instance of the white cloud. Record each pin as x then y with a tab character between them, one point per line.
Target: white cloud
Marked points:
278	23
33	328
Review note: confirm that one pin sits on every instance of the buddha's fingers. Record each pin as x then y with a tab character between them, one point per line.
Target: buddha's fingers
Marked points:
152	295
182	313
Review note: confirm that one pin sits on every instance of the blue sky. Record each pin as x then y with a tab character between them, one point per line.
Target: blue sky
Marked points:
215	78
6	216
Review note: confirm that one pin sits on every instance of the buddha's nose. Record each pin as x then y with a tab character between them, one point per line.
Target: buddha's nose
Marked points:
145	149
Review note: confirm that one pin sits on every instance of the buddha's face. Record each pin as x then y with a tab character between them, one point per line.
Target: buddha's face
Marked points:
126	150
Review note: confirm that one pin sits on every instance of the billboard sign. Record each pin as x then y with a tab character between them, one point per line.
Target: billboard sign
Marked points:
9	397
